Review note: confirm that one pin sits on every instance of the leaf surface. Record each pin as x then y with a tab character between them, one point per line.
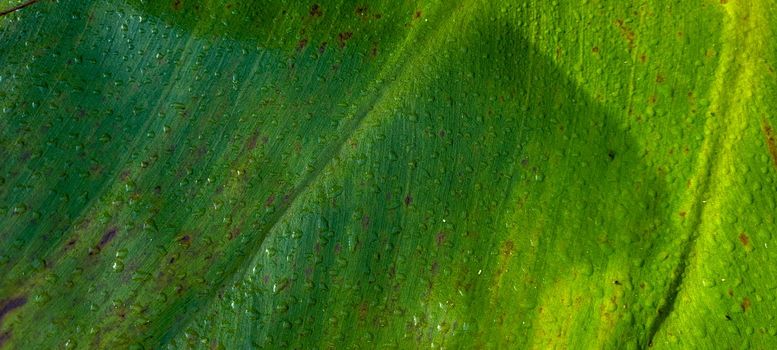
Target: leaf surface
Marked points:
477	174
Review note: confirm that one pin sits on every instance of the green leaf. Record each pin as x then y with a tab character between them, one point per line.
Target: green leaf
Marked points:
474	174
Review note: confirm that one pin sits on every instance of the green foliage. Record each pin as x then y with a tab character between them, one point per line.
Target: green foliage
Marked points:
473	174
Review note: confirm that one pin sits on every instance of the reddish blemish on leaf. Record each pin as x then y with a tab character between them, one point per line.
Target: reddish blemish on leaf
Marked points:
342	38
177	5
234	233
508	248
252	141
185	240
745	304
363	307
771	142
365	222
302	43
315	11
408	200
9	305
595	49
269	200
626	32
25	156
4	336
107	237
744	239
417	14
440	238
283	285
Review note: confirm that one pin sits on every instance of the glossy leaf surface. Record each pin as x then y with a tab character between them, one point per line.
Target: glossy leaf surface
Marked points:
471	174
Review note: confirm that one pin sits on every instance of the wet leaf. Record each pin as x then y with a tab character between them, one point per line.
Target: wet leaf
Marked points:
479	174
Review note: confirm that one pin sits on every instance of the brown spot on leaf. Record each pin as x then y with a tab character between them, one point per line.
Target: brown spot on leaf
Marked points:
177	5
440	238
268	203
626	32
744	239
253	139
363	307
660	78
508	248
361	10
4	336
771	142
233	233
417	14
315	11
122	312
365	222
745	304
342	38
107	237
185	240
595	49
408	200
6	306
302	43
322	47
